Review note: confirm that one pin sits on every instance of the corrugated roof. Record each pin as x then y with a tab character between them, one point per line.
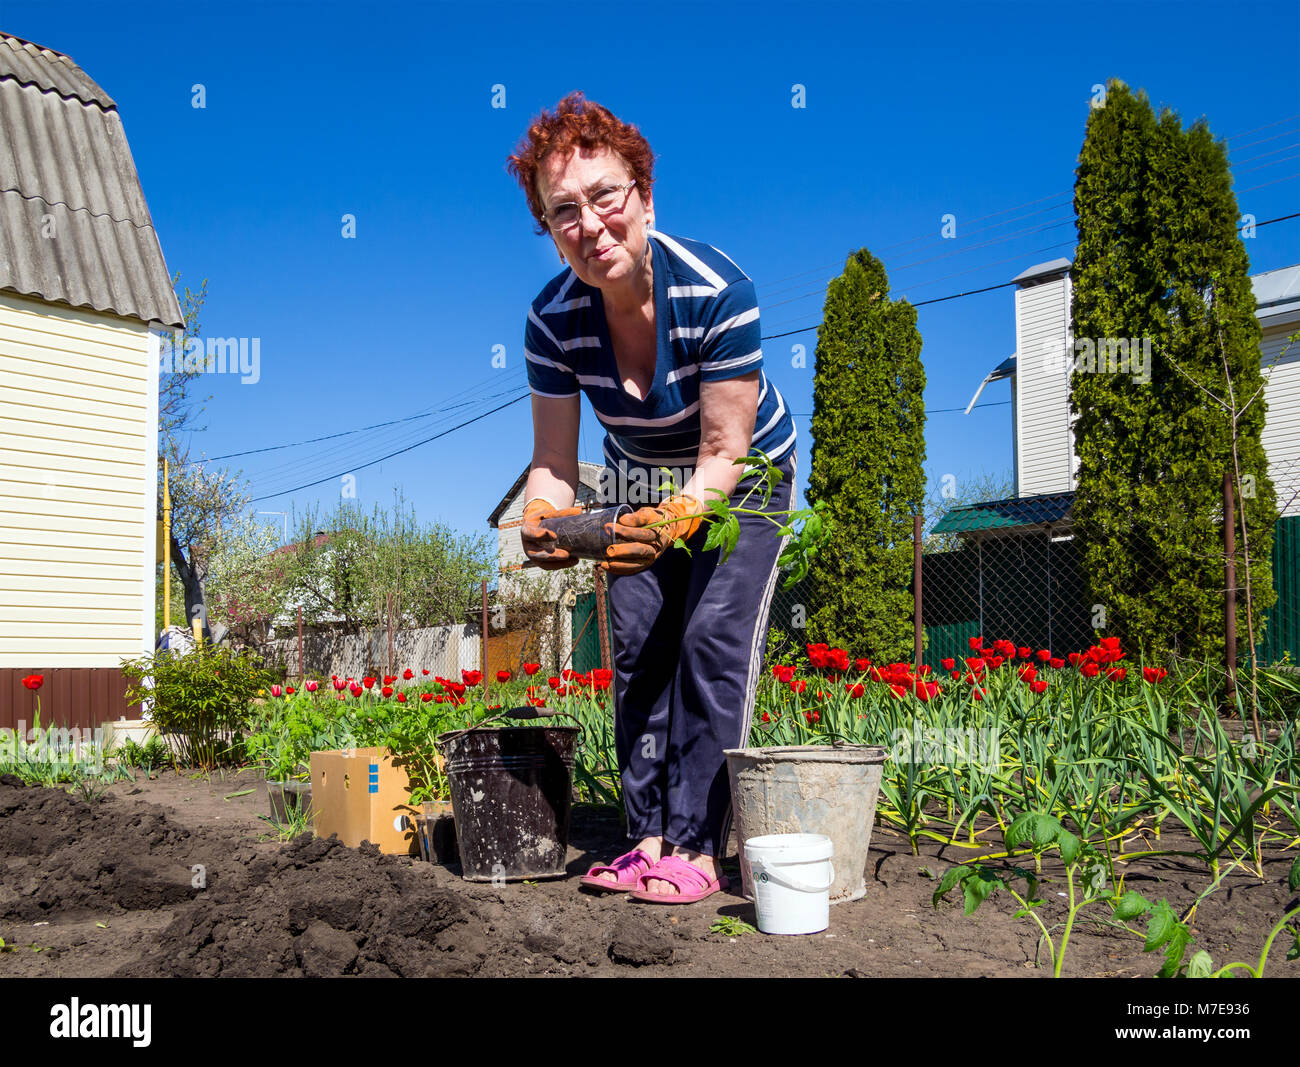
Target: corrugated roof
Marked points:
74	225
1049	508
1277	292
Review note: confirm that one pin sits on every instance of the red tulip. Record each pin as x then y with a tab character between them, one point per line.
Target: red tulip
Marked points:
289	690
426	697
529	669
1039	685
401	698
276	690
976	643
1028	673
311	686
1044	655
1154	674
1023	651
356	690
1117	673
854	690
424	670
34	681
1089	669
1056	663
387	690
408	674
798	685
503	676
782	673
862	664
949	663
767	717
1075	657
368	682
977	693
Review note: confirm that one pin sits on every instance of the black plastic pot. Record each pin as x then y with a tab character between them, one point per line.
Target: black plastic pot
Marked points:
511	791
585	535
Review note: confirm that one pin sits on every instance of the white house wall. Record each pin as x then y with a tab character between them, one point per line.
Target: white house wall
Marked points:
78	431
1281	437
1044	452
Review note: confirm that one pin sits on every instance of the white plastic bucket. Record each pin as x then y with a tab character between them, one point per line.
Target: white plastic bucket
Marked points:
793	875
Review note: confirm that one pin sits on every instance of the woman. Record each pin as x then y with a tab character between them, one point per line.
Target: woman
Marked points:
662	334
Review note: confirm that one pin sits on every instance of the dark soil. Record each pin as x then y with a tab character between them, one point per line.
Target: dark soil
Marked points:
108	888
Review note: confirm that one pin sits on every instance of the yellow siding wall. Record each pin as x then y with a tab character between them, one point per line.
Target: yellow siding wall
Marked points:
78	426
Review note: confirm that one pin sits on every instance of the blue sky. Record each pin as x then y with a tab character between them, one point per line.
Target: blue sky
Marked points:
319	110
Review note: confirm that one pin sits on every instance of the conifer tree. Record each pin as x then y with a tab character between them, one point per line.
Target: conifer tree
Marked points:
868	429
1160	268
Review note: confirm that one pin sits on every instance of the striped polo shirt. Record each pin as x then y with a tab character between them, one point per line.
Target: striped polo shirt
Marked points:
706	314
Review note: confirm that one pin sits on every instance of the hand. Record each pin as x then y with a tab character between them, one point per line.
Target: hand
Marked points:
638	542
538	541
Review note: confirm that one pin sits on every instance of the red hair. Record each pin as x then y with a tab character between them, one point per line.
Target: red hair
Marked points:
578	123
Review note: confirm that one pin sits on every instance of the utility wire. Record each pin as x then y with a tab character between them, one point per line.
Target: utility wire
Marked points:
351	469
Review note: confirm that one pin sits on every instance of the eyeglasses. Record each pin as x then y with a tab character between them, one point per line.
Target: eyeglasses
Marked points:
604	202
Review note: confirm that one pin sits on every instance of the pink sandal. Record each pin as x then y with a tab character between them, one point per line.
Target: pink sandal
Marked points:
627	869
691	882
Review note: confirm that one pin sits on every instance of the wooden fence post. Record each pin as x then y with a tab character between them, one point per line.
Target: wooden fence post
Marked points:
483	647
1229	593
602	619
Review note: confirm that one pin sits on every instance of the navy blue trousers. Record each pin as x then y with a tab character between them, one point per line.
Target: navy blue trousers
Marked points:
689	637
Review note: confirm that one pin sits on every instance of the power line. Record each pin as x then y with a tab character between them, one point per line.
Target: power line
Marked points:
928	411
429	413
381	459
355	456
987	289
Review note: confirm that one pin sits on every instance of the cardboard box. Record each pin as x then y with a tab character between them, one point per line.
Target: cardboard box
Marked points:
358	794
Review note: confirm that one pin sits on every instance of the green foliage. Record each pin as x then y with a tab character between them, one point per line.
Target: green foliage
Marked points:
200	700
350	566
730	926
147	757
868	428
1159	258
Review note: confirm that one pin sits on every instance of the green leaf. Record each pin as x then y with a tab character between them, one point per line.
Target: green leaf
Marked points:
1161	927
1033	827
1131	905
1069	846
1200	965
1293	879
1178	942
951	877
978	887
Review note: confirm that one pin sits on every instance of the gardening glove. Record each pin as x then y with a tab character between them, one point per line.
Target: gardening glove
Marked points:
637	544
538	541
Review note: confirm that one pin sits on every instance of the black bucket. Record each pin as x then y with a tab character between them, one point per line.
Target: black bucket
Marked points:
585	536
511	791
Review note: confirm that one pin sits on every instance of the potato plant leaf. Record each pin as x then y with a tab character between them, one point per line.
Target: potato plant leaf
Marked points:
1200	965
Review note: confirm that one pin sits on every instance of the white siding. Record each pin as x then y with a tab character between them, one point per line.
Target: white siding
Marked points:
1281	437
78	424
1044	451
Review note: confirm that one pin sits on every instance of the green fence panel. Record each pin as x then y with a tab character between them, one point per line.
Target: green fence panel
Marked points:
1282	633
586	637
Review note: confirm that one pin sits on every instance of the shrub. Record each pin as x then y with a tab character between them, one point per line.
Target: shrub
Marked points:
200	699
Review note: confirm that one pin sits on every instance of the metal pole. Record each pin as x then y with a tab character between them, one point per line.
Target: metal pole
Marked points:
916	592
483	647
300	670
167	551
1229	593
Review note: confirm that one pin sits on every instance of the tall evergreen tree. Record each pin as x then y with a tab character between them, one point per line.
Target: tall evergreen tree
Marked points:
1159	261
868	429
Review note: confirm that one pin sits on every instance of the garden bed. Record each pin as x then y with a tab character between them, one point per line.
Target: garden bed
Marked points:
111	885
